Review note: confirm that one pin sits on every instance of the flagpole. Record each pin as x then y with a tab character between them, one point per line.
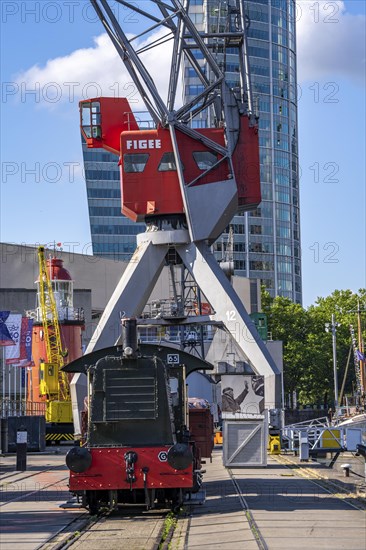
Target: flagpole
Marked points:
20	390
4	381
25	389
15	389
9	389
360	347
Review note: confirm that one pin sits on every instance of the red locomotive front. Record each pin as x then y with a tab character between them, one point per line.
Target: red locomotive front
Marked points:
128	469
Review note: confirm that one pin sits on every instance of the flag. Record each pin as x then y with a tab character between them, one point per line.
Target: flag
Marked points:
360	356
5	336
25	356
14	326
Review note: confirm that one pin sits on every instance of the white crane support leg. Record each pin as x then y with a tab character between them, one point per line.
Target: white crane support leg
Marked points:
128	299
229	309
130	295
136	286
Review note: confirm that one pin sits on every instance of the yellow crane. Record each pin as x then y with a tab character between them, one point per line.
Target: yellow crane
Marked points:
54	384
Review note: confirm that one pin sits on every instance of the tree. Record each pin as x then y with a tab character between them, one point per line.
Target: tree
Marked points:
307	348
343	304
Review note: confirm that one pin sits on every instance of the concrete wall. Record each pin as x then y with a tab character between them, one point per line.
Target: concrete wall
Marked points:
293	416
17	300
19	270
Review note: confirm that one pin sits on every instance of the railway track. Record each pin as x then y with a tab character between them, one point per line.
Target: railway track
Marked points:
148	530
248	514
333	487
125	528
20	488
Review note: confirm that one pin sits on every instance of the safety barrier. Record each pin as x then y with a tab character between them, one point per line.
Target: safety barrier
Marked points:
12	407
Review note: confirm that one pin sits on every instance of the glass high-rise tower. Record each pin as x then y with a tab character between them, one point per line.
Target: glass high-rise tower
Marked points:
113	235
266	240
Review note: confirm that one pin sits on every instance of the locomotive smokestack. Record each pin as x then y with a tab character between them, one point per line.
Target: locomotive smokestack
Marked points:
129	337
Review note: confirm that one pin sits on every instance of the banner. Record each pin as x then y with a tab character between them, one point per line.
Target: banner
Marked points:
14	325
5	336
25	357
21	329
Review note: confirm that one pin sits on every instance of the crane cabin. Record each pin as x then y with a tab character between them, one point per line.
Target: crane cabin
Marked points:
149	177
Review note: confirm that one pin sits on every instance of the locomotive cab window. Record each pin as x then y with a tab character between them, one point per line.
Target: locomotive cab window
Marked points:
205	159
135	162
167	163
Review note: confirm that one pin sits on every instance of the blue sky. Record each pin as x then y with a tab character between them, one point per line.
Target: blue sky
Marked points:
57	50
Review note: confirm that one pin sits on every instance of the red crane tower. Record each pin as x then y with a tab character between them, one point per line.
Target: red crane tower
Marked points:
185	183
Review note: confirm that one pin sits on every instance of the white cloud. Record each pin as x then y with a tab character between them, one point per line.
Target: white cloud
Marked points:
93	72
330	41
330	44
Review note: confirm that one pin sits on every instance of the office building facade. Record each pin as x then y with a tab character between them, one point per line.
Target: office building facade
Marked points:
267	240
113	235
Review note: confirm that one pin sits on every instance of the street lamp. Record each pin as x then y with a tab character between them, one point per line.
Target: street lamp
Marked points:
333	328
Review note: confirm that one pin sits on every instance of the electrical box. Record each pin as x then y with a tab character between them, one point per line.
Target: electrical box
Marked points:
33	426
304	445
353	438
274	445
275	419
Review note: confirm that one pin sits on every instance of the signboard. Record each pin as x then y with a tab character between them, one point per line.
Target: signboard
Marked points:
242	396
22	436
172	358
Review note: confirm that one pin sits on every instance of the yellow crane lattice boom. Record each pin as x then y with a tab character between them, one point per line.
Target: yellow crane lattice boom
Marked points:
51	327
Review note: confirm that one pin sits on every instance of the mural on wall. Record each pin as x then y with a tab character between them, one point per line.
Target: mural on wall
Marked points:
242	396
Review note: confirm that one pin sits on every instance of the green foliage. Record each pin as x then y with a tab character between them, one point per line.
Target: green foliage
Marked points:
169	526
266	300
307	347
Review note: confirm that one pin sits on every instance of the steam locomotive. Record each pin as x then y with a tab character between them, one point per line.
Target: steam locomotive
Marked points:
136	448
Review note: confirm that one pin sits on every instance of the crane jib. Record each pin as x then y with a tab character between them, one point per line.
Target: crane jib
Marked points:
53	382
